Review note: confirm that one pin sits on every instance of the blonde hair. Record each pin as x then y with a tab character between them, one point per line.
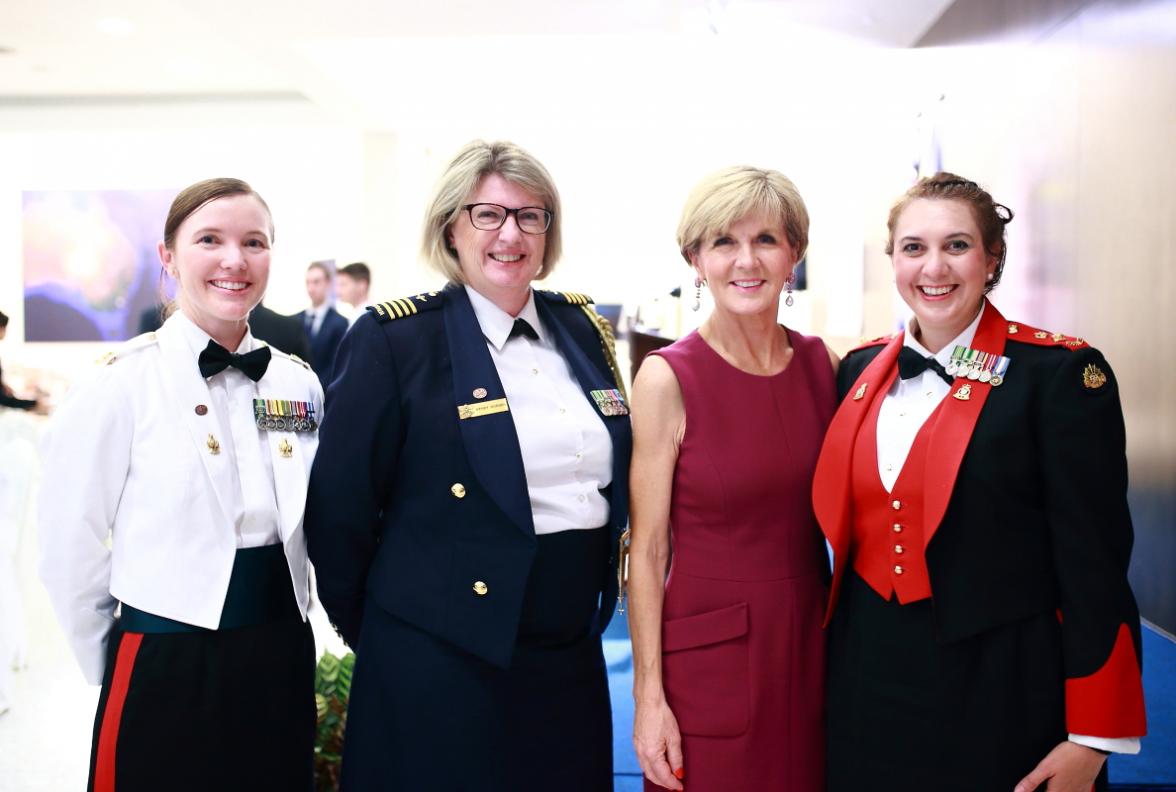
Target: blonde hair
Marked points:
477	160
726	197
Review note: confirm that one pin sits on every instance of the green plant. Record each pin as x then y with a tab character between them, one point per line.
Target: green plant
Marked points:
332	686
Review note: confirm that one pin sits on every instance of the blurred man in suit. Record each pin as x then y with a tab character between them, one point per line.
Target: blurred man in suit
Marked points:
352	284
323	325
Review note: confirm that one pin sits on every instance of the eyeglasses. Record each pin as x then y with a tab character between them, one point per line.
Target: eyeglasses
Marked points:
491	217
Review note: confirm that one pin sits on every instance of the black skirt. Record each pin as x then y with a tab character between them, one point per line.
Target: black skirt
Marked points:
425	715
183	708
910	714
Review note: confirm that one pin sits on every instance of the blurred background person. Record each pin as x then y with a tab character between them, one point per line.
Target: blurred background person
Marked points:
8	397
973	488
185	506
287	333
323	325
464	513
728	653
352	284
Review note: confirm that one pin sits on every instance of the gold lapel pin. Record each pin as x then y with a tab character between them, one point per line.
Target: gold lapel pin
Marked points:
213	445
860	392
964	393
285	449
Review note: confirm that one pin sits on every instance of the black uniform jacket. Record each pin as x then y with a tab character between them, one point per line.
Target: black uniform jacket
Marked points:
411	504
1025	507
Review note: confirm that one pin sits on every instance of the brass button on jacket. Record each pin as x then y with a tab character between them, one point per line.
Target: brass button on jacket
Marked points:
458	490
480	588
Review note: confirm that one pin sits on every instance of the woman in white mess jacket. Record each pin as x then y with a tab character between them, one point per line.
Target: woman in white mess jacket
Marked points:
175	480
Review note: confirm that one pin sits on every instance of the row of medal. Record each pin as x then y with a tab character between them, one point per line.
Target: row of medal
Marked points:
977	365
284	415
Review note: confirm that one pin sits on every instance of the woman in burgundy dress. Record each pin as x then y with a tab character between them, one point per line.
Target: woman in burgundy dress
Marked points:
727	424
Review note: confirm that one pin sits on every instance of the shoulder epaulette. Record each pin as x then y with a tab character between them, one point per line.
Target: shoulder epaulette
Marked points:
564	298
405	306
1031	335
279	353
128	347
608	344
865	342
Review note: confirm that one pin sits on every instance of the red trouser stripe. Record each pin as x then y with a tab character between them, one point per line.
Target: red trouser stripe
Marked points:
112	717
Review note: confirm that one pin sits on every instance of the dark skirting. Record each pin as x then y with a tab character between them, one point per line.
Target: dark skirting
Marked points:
425	715
189	709
909	714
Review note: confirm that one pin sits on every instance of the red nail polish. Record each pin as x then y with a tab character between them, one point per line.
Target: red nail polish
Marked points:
680	773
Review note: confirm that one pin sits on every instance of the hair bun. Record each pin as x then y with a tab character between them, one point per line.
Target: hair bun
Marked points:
1003	212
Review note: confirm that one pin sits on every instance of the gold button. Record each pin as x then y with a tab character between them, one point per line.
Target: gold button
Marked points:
480	588
898	569
458	490
897	505
899	549
897	528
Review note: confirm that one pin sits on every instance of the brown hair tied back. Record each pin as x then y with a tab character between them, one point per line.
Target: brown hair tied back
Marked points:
190	199
990	216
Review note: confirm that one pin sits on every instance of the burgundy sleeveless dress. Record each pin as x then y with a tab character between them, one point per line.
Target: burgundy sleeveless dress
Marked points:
743	651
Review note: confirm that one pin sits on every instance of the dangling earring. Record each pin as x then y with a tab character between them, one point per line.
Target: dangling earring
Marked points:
694	306
791	279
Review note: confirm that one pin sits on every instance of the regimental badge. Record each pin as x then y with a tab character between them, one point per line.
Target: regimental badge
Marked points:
213	445
1013	328
1093	377
1041	334
860	392
285	449
964	393
284	415
610	402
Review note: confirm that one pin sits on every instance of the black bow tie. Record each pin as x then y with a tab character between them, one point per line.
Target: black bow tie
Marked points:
215	359
912	364
523	328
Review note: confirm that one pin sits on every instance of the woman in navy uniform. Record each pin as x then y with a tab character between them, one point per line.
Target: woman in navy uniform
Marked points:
186	467
973	488
464	513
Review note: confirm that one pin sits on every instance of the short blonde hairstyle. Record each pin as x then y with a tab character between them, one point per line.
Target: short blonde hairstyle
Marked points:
477	160
726	197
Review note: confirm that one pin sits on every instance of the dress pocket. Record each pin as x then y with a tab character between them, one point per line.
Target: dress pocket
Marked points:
704	670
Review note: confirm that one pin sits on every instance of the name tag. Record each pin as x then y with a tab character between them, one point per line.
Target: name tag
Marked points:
478	409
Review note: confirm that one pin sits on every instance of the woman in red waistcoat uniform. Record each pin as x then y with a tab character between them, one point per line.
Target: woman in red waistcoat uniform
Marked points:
972	485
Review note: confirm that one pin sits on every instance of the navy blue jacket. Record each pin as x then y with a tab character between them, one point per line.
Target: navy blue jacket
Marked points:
410	505
325	345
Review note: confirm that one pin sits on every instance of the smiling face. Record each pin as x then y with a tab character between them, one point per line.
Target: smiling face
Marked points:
940	267
220	257
746	266
499	264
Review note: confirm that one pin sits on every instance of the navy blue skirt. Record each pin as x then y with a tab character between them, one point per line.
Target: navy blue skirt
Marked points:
425	715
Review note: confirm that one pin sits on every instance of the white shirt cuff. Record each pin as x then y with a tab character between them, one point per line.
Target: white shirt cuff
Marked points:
1119	745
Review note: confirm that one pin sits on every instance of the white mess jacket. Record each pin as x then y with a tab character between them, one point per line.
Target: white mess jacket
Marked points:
132	499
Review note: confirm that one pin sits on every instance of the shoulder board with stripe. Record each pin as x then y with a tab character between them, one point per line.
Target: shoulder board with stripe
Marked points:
403	307
564	298
1032	335
127	348
280	354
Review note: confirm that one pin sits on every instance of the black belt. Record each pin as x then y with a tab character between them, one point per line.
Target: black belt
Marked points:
260	592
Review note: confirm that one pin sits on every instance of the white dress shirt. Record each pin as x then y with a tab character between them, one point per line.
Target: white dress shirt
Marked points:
250	502
907	406
567	451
